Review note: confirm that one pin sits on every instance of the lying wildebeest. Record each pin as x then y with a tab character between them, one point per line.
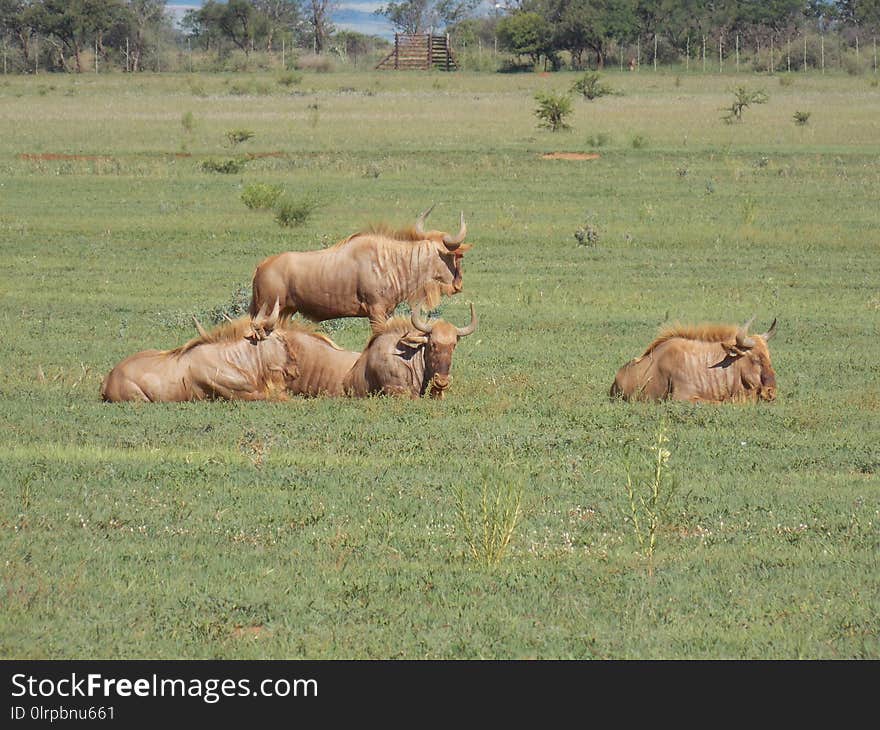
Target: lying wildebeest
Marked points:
268	357
366	275
259	358
712	362
406	357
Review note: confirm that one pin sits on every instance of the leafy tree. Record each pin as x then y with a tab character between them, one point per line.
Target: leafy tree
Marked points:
278	16
552	110
526	34
419	16
581	25
318	17
73	25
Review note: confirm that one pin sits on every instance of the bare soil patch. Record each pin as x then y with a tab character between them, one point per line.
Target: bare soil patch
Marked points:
570	156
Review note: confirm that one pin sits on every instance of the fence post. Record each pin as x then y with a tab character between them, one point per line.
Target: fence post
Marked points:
704	54
638	53
721	53
788	54
875	55
737	52
772	68
822	50
857	49
687	55
805	52
655	51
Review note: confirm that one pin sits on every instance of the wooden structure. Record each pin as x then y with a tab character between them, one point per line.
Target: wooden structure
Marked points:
419	52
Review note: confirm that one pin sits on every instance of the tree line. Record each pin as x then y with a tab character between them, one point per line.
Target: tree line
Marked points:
129	34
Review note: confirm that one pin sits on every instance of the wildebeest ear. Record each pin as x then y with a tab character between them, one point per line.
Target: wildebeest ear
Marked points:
733	350
464	248
412	340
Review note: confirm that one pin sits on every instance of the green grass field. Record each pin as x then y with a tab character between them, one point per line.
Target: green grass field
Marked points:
337	529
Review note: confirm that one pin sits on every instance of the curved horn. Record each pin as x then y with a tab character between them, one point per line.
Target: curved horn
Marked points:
469	330
768	335
199	328
418	322
420	221
454	243
742	338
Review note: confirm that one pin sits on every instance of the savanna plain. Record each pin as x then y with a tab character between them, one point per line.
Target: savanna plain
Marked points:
526	515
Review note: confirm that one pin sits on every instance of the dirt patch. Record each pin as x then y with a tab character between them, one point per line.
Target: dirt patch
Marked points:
253	632
570	156
258	155
59	156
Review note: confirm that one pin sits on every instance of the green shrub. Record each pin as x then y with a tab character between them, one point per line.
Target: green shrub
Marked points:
489	526
590	87
743	99
552	110
235	137
801	118
599	140
228	166
639	142
290	78
188	122
261	195
290	212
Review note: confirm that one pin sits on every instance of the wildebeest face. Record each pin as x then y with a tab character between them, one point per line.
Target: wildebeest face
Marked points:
440	341
753	360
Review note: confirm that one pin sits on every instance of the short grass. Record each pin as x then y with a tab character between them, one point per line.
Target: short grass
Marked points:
332	529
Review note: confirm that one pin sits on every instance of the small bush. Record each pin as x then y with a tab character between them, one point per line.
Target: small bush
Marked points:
261	195
235	137
786	80
290	78
188	122
290	212
318	64
237	306
599	140
801	118
639	142
229	166
552	110
743	99
590	87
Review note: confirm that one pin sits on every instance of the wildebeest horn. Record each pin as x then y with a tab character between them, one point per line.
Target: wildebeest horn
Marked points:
469	330
420	221
742	338
454	243
418	322
227	317
768	335
199	328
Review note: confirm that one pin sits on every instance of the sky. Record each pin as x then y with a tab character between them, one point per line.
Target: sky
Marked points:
354	15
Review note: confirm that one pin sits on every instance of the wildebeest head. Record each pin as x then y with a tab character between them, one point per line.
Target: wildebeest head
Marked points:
752	357
439	339
450	250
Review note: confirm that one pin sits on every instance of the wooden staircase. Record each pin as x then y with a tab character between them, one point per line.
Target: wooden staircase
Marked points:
419	52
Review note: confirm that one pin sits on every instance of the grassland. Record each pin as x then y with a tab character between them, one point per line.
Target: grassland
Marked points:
330	529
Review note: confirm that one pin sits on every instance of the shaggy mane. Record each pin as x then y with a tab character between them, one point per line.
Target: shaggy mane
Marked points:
238	328
386	231
707	332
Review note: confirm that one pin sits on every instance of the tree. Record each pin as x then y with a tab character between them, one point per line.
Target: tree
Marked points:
278	16
318	17
143	22
420	16
525	34
74	24
580	25
18	18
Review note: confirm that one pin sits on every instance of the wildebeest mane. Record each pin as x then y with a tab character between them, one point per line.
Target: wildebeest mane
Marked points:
706	332
239	328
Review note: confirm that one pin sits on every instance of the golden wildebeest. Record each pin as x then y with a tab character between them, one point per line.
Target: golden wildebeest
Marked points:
406	357
366	275
711	362
253	358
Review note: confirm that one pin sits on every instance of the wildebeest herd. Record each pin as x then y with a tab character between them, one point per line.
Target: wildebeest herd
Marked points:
269	356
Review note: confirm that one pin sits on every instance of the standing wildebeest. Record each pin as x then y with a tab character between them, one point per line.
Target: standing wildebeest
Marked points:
259	358
406	356
366	275
712	362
